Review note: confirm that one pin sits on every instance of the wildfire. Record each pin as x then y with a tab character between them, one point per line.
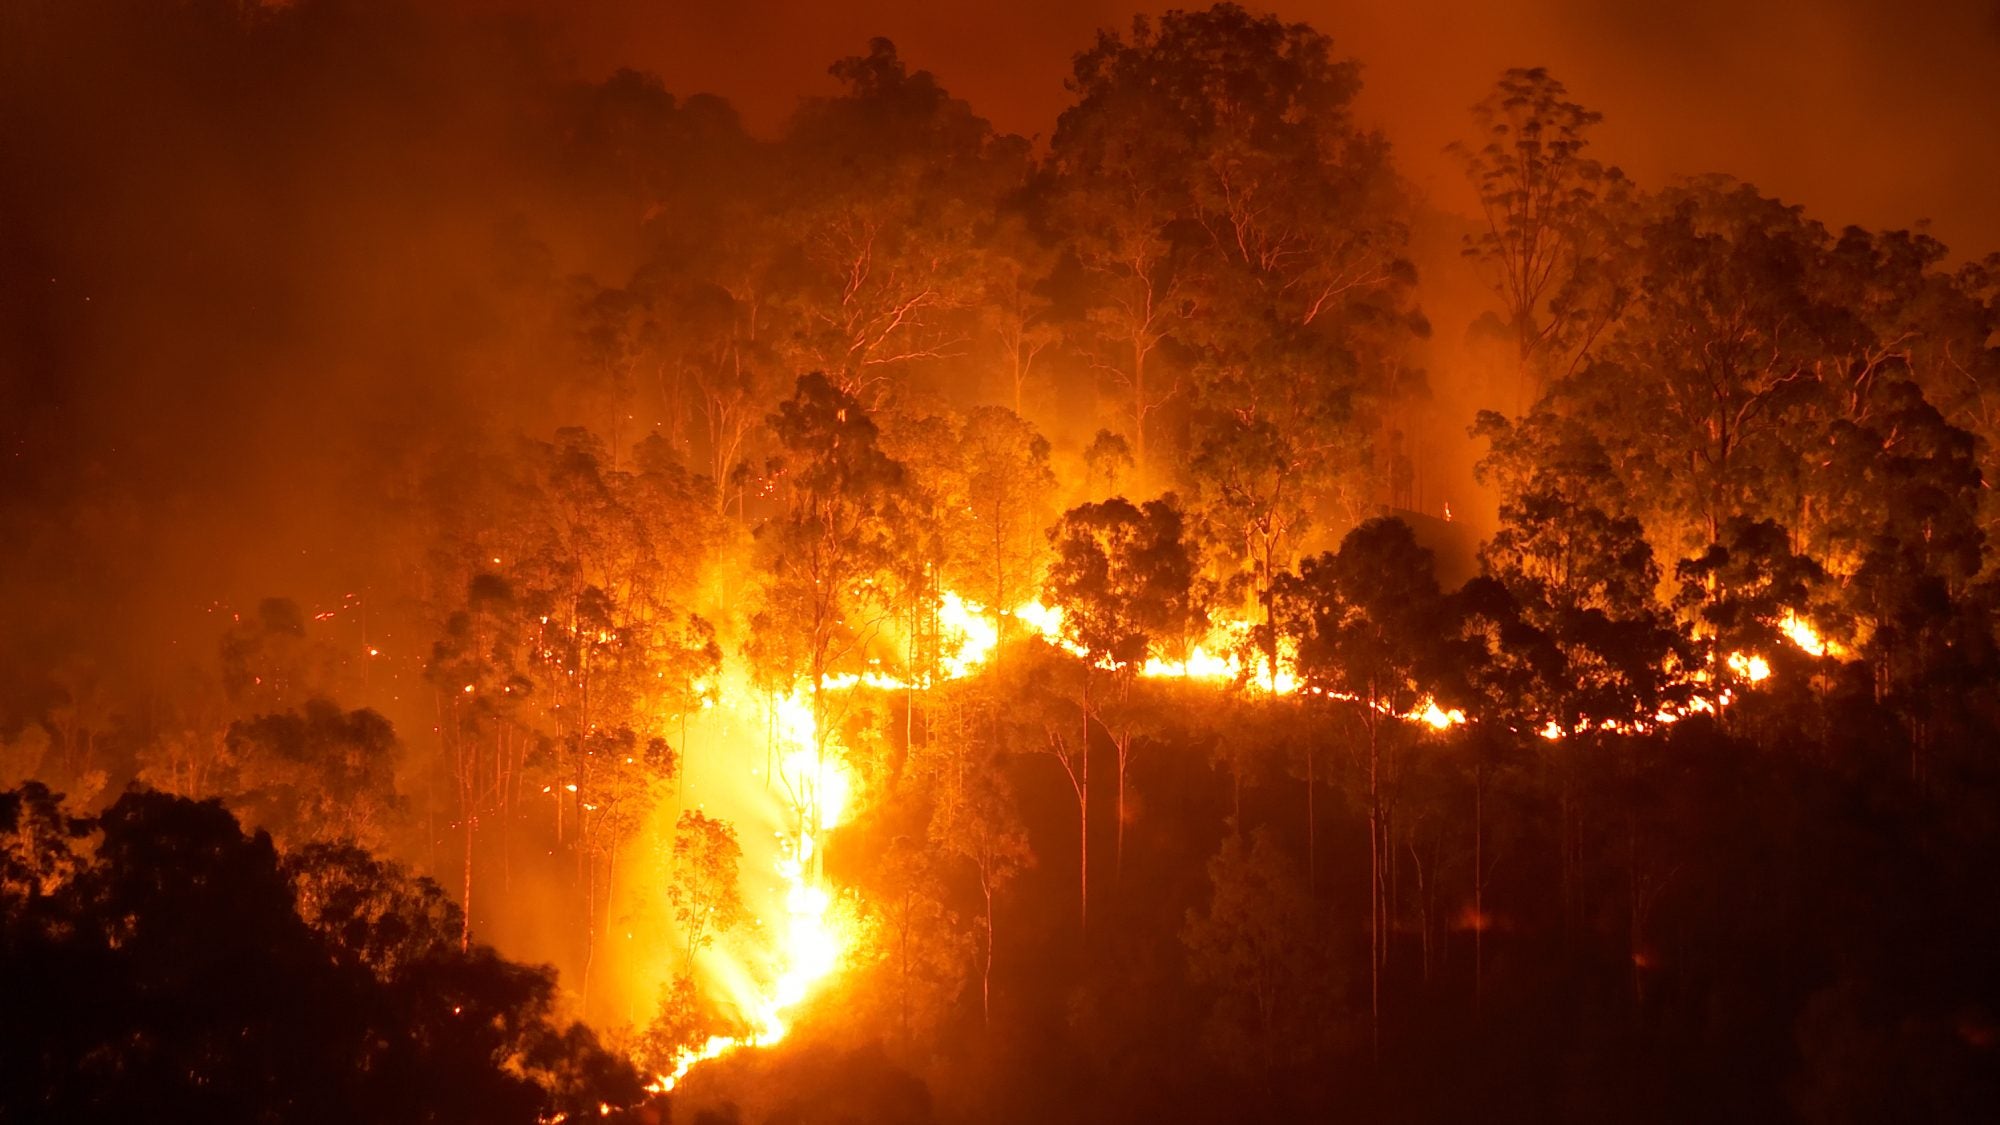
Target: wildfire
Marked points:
1200	664
810	949
809	943
1749	666
1802	634
971	634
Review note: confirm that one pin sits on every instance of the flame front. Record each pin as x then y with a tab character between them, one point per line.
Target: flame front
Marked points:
813	783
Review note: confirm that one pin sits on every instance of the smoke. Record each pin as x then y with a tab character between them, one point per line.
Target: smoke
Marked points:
1866	111
240	284
233	277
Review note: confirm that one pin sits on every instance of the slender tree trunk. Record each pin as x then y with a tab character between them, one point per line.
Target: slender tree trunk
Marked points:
1478	878
1139	408
509	782
1118	840
610	885
590	925
1375	935
910	685
1423	909
1312	825
465	896
986	970
819	776
1083	818
903	957
1634	939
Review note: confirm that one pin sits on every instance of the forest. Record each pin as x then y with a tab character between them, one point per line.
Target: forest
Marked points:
527	598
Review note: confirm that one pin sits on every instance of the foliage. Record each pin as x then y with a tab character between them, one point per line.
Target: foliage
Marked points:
335	990
702	883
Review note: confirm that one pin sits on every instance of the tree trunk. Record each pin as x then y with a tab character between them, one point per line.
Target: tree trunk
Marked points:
590	923
1139	408
986	970
465	896
1375	935
1312	826
1478	878
1083	818
1118	839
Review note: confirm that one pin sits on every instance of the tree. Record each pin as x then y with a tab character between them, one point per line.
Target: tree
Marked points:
702	884
1742	592
1369	622
831	546
685	1020
335	992
480	667
1549	247
1254	945
1018	264
189	754
891	187
1125	578
36	858
373	910
627	778
1255	496
319	773
1582	579
1214	189
921	953
975	819
1107	461
1010	496
1729	331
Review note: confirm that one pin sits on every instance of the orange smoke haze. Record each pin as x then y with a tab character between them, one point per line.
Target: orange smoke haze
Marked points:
1866	111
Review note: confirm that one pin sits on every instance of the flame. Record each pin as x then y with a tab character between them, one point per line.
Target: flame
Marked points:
1801	633
811	949
969	635
1042	619
1751	667
809	946
1438	718
1200	664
